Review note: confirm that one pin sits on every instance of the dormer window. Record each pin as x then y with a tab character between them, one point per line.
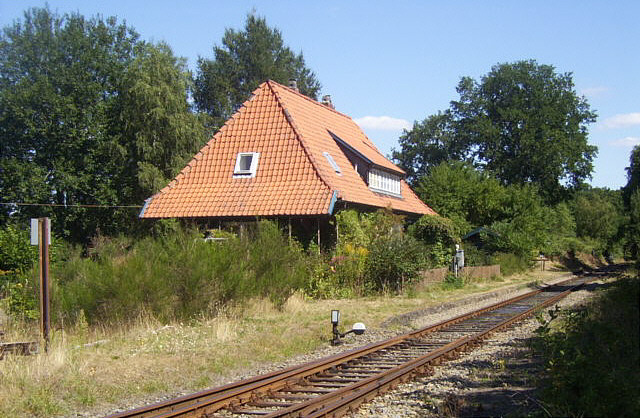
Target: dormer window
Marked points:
384	182
246	164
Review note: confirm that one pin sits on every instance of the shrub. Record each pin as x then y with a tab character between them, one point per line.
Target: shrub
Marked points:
17	260
16	252
474	256
452	282
277	268
349	268
439	235
178	276
328	277
373	254
394	262
511	263
593	367
20	298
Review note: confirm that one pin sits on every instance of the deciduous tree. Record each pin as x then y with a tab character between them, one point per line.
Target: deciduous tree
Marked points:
523	122
154	123
243	61
89	115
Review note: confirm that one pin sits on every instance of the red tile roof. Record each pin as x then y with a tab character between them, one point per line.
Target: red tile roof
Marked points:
291	132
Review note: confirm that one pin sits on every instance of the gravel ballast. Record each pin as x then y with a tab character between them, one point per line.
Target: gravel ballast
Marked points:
496	379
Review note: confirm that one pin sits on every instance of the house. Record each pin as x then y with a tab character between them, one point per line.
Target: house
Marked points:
285	156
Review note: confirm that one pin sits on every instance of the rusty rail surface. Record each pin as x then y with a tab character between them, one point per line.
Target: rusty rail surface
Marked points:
338	384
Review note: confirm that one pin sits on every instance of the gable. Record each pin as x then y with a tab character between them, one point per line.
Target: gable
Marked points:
284	182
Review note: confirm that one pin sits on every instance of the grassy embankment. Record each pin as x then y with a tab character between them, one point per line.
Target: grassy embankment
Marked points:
97	368
592	356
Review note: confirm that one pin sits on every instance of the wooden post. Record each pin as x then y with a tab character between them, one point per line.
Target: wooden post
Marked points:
319	236
289	230
45	290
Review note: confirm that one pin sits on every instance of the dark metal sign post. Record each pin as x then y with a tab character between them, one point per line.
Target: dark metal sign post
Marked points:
43	241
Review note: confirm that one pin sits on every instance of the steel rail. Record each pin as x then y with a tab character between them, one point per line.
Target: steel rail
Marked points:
211	400
371	388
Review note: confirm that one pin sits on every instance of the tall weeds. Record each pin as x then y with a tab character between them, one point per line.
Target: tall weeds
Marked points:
178	276
592	358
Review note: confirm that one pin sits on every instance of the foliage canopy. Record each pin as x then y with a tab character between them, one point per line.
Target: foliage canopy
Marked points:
243	61
89	115
523	122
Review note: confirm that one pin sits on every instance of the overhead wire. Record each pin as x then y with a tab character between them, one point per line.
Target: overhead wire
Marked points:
62	205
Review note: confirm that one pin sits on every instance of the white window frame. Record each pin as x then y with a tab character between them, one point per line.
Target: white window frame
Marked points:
332	162
381	181
238	172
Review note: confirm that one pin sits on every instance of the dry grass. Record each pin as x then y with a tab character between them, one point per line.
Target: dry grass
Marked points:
95	370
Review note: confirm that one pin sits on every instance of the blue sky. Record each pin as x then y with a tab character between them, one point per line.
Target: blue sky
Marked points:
389	63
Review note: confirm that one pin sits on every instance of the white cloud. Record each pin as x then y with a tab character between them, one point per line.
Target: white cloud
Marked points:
622	121
383	123
595	91
629	141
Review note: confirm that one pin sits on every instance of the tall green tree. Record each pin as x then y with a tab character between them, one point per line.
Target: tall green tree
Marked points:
633	175
522	121
524	225
468	196
428	144
598	216
89	115
473	198
58	75
631	197
153	121
633	225
243	61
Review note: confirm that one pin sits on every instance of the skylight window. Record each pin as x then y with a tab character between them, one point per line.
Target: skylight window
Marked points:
332	162
246	164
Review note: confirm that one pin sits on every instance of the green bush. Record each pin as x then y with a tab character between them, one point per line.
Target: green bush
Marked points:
178	276
511	263
439	236
330	278
17	260
16	252
593	357
20	298
474	256
452	282
394	262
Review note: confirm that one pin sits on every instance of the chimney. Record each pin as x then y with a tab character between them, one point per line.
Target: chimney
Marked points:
326	100
293	84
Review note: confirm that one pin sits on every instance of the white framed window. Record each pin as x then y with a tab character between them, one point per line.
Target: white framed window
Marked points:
384	182
246	164
332	162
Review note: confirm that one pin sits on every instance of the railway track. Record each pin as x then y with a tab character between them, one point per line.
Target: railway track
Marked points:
336	385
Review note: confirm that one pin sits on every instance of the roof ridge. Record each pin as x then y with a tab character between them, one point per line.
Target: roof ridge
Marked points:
369	143
296	131
289	89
